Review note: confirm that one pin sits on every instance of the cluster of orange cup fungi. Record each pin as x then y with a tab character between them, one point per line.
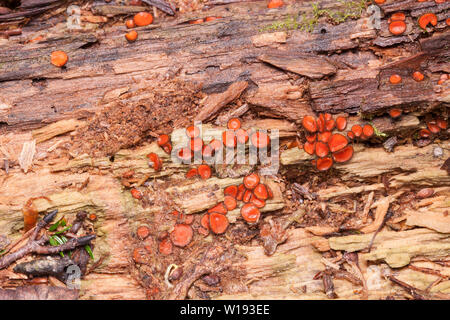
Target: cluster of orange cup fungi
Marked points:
397	79
140	19
433	127
251	192
397	24
331	147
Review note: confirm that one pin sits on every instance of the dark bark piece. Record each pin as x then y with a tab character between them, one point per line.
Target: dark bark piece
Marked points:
215	102
38	292
161	5
311	66
48	266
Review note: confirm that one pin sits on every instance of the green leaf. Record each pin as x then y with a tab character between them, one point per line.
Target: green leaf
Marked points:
63	230
61	222
89	250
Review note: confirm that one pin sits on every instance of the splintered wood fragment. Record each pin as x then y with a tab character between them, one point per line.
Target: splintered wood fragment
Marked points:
266	39
56	129
112	10
38	292
435	216
397	248
380	213
310	66
223	120
322	230
26	155
215	102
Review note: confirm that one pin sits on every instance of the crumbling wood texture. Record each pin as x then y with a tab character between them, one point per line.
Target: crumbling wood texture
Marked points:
234	57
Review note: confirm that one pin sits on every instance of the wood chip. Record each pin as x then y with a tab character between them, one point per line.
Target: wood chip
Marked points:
26	155
217	101
381	211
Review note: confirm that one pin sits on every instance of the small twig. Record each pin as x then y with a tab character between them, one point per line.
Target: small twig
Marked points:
35	245
386	218
416	293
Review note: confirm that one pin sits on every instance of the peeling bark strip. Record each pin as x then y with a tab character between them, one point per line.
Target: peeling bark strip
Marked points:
215	102
311	66
38	292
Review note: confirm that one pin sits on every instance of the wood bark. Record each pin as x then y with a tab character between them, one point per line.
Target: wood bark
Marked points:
281	75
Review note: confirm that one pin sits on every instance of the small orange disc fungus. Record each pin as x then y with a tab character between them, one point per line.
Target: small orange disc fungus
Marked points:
231	191
59	58
196	144
395	79
135	193
143	19
337	142
204	222
323	164
424	133
269	192
234	124
181	235
218	208
229	139
341	123
212	18
260	140
131	36
247	196
418	76
143	232
165	247
130	24
251	181
397	27
204	171
185	154
311	137
261	192
324	136
395	113
321	123
230	202
322	149
351	135
139	255
242	136
215	144
241	191
433	127
398	16
92	217
309	123
155	160
441	123
258	202
207	151
167	148
218	223
426	19
344	155
330	124
368	130
192	132
380	1
309	147
162	140
192	173
197	21
250	213
275	4
357	130
447	21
